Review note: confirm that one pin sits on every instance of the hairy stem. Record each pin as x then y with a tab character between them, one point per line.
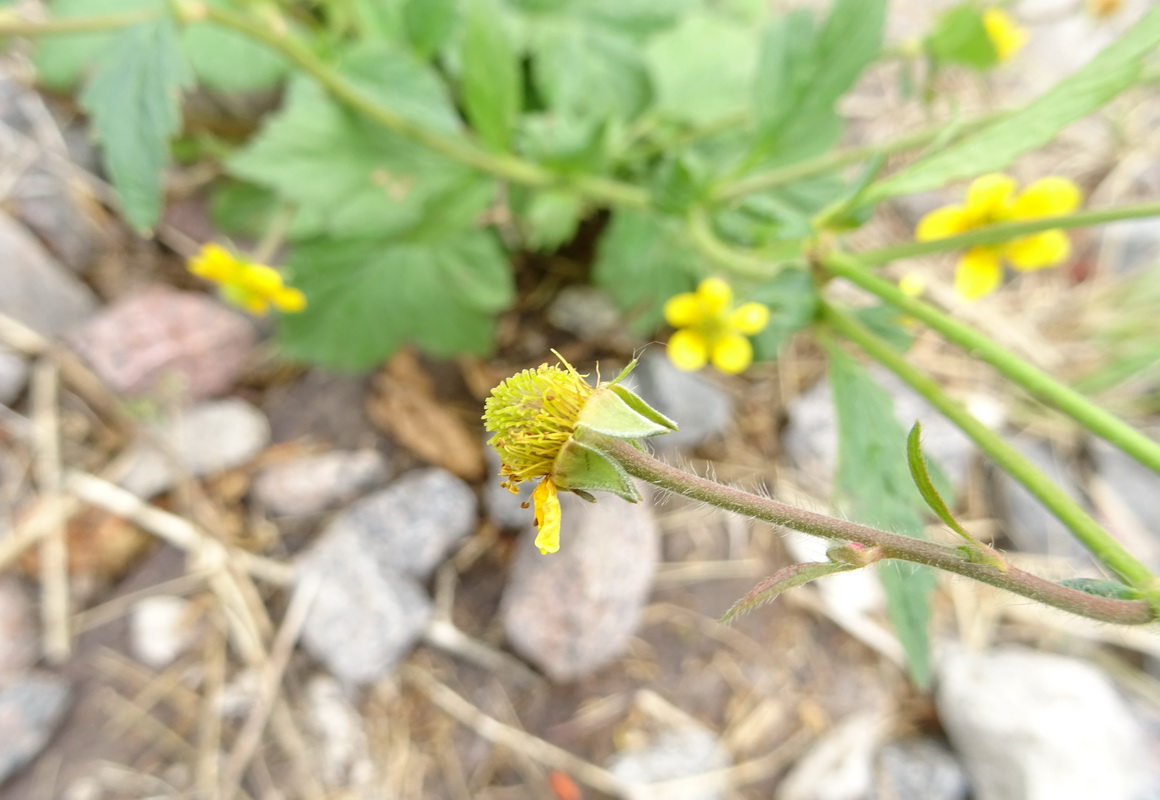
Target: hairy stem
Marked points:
1036	382
647	468
1087	530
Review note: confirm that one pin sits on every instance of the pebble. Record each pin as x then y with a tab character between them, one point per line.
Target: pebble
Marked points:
342	750
840	765
699	406
365	618
30	710
1131	245
572	612
674	754
313	484
922	769
410	526
19	647
160	340
161	629
38	291
586	312
217	435
1030	526
1035	726
13	375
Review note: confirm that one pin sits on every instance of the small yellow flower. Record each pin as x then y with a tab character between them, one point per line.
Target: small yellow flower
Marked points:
912	284
254	287
710	329
992	199
1005	34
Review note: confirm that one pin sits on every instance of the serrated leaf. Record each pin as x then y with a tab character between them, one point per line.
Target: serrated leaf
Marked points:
572	57
134	100
349	177
490	76
960	37
642	261
995	147
368	296
783	580
429	23
875	485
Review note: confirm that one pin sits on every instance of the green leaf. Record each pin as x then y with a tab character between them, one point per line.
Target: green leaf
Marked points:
802	74
642	261
995	147
960	37
875	485
349	177
61	60
703	68
429	23
134	99
783	580
1101	588
369	296
241	209
550	217
792	298
887	324
490	76
587	71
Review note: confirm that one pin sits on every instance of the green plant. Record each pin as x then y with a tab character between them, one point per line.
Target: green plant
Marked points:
421	142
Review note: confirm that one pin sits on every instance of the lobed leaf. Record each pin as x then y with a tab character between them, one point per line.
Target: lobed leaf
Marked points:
490	77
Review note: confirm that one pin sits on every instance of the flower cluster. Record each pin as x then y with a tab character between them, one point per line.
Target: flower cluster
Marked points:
711	330
993	199
254	287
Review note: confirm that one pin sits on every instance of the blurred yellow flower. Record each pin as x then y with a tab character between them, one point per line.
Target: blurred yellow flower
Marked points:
1005	34
710	329
912	284
254	287
992	199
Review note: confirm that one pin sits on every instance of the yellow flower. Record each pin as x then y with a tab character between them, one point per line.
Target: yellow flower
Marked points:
254	287
992	199
710	329
912	284
1004	33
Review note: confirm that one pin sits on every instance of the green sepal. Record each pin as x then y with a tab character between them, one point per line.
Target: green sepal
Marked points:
582	469
615	411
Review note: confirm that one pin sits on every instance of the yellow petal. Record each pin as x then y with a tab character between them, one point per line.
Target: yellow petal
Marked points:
912	284
213	262
260	278
682	310
547	506
1047	197
989	196
941	223
289	300
1004	33
732	354
688	350
714	295
1041	250
257	305
749	318
979	273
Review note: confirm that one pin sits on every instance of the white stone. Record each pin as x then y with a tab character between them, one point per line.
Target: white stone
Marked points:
679	755
1032	726
161	629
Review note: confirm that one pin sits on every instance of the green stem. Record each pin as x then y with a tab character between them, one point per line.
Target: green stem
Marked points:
739	262
1087	530
643	466
14	26
1037	383
995	234
842	158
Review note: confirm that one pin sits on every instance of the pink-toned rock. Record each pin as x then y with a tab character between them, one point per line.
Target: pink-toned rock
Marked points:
575	611
164	340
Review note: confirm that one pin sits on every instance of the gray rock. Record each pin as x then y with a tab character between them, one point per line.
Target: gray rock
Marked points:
586	312
410	526
18	641
811	437
38	291
1031	726
1131	245
674	754
213	436
700	407
364	619
919	769
13	375
313	484
502	507
1028	524
162	340
574	611
30	709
